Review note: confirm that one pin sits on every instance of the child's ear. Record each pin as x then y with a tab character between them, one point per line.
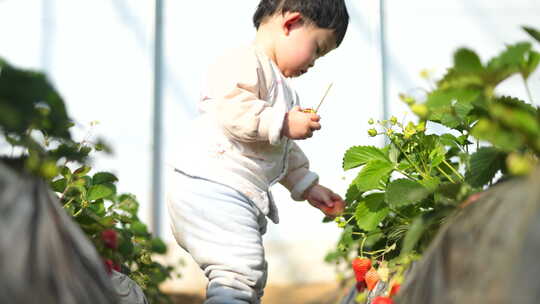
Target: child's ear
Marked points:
291	20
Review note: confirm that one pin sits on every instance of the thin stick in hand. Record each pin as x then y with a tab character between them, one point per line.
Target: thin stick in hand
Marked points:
326	93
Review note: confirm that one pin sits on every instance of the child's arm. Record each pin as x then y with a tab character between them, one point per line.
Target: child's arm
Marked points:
235	91
326	200
298	178
304	184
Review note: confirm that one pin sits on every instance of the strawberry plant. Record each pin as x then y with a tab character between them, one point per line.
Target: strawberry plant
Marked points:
35	125
407	188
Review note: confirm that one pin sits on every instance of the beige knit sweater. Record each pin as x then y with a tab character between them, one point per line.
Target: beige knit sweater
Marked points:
236	138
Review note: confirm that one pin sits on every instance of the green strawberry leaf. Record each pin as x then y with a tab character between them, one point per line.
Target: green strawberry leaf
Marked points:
373	175
500	137
128	203
103	177
371	211
98	207
530	65
517	119
416	229
360	155
451	106
82	171
450	190
507	63
430	182
532	32
484	164
450	140
466	60
437	155
101	191
352	193
403	192
65	172
126	246
59	185
138	228
459	80
158	246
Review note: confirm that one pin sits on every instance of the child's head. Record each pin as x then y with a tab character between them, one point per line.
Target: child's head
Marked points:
297	32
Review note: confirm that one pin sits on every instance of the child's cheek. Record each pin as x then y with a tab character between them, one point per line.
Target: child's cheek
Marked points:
302	57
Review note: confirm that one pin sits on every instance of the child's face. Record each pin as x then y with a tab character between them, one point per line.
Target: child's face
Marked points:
301	44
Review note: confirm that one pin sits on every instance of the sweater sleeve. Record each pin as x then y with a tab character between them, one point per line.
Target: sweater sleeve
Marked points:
298	178
235	90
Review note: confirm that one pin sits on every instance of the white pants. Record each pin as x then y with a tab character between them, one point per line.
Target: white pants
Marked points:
222	230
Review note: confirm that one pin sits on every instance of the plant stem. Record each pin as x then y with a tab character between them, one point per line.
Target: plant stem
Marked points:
528	90
406	174
69	202
78	212
349	220
384	251
358	233
409	160
396	212
444	173
453	169
362	247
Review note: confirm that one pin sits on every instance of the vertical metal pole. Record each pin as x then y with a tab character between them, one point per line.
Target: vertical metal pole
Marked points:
157	157
384	63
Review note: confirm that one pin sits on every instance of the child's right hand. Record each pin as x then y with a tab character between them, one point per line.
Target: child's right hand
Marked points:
300	125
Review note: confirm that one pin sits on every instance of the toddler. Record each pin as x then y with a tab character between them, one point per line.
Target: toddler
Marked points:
243	142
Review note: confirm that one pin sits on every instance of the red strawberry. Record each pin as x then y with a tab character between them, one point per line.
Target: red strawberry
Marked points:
116	267
360	286
372	277
382	300
360	267
394	289
337	209
110	266
110	238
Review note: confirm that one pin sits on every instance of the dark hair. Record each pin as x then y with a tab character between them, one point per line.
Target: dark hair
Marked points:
328	14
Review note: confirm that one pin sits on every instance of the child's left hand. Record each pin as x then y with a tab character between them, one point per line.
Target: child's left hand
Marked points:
324	199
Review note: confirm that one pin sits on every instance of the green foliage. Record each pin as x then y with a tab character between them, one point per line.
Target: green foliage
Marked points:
373	175
404	191
360	155
484	164
93	202
533	32
30	105
33	118
371	211
29	101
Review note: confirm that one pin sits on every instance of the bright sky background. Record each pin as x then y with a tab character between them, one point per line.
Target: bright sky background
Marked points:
99	55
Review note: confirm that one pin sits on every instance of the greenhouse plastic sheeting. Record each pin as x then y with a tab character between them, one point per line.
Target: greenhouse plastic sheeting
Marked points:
44	256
